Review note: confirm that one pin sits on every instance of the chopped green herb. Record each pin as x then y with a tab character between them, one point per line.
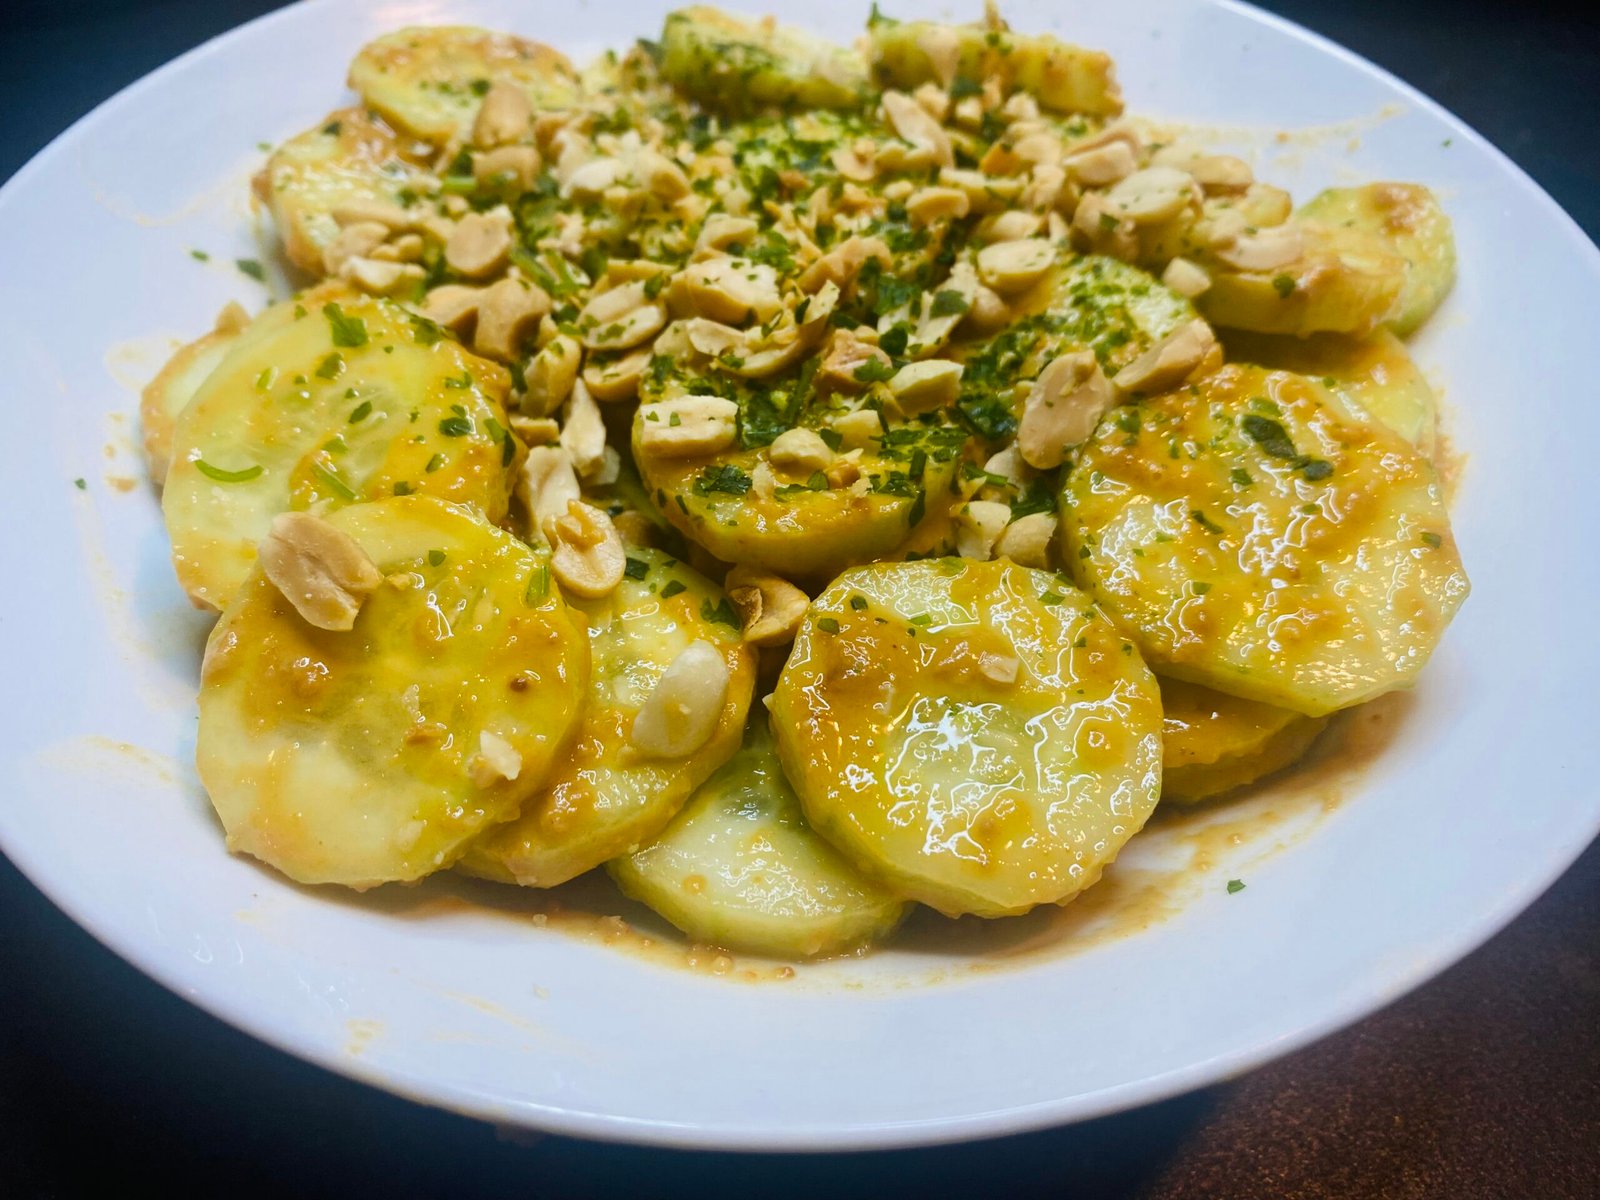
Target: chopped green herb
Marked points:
330	477
1283	285
331	366
1052	598
81	484
435	557
457	426
538	585
1235	885
672	588
1201	588
347	331
402	488
720	613
827	625
434	464
1317	468
243	475
947	302
251	268
1205	522
727	479
1240	477
858	602
636	568
199	256
361	412
1432	539
1269	435
874	370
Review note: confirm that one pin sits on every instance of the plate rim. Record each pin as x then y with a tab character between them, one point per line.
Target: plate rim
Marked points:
1349	1005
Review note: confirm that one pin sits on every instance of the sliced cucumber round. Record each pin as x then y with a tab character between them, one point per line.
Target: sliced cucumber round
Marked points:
1257	535
353	757
607	799
1212	743
740	869
973	733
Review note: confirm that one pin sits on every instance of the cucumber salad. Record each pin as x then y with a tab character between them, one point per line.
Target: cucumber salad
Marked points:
801	480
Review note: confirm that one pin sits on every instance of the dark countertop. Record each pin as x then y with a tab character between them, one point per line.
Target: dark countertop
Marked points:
1484	1083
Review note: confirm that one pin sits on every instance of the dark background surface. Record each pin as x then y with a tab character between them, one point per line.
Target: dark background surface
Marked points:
1485	1083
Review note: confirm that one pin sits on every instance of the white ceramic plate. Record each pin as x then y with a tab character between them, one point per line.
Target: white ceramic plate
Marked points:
1360	885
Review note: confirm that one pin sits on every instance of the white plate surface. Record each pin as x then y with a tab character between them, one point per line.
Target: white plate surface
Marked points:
1483	794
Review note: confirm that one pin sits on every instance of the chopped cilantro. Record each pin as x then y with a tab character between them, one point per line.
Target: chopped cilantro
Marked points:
827	625
672	588
244	475
435	557
347	331
1432	539
636	568
251	268
456	426
1235	885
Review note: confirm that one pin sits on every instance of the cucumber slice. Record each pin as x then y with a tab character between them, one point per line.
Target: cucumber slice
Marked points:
738	65
351	158
1408	219
1212	743
1255	535
605	799
349	757
322	402
739	868
429	81
1374	373
1064	78
974	733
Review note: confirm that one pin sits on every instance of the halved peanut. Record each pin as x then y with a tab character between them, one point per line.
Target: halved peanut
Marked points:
978	524
1263	250
480	243
504	117
616	379
496	759
799	450
508	312
912	123
377	277
1064	405
354	240
681	712
843	263
929	204
920	387
688	426
1152	195
1186	278
452	305
770	608
1170	361
620	318
320	570
1013	267
734	291
986	193
546	486
551	374
514	167
583	432
1012	226
1101	166
856	429
1027	540
722	230
535	431
586	554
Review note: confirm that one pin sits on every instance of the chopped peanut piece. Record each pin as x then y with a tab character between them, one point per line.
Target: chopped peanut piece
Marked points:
688	426
722	230
912	123
978	525
847	355
924	386
682	710
496	759
1186	278
734	291
856	429
508	312
480	243
620	319
1012	267
799	450
377	277
1000	668
618	379
535	431
1263	250
320	570
1013	226
583	432
843	263
1064	405
930	204
586	554
546	486
551	374
1151	196
353	241
1172	360
769	607
1026	541
454	306
1101	166
509	166
506	116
